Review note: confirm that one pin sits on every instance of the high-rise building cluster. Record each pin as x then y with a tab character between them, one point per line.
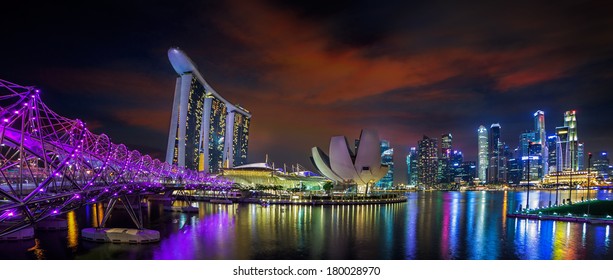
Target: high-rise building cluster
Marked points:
427	166
536	158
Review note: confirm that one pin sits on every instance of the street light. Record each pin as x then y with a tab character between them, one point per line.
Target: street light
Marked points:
572	169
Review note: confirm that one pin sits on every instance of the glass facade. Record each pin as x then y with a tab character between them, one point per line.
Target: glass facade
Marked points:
494	153
483	150
217	132
427	162
387	158
412	167
552	149
580	156
240	140
193	124
570	121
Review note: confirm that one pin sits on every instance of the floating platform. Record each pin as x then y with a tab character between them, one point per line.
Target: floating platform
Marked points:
120	235
185	209
52	224
22	234
561	218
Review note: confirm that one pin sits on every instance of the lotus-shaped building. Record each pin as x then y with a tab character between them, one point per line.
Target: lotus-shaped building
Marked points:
363	168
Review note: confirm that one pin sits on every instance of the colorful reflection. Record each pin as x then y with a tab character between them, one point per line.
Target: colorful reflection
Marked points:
430	225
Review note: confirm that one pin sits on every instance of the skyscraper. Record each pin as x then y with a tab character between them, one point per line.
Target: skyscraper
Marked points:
552	149
483	153
526	139
494	154
427	162
562	148
601	165
412	170
387	158
570	121
206	131
580	156
539	127
444	172
541	138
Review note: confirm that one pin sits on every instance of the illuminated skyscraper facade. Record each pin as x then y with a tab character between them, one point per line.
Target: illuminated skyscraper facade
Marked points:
570	121
601	165
562	148
567	153
483	152
206	131
552	158
540	137
580	156
387	158
427	162
445	171
495	155
412	163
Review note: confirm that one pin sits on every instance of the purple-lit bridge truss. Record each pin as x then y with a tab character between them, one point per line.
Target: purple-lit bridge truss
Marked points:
51	165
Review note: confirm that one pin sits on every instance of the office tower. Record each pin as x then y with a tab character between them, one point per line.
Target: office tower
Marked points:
601	165
531	150
552	158
446	145
387	158
412	163
455	165
483	153
206	131
539	127
562	148
427	162
505	154
541	138
570	121
469	171
514	171
580	156
495	146
532	163
525	140
444	170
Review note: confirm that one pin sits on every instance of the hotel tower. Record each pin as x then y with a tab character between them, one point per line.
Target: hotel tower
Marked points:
206	131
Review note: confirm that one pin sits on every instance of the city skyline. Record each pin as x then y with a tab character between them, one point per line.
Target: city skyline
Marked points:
309	71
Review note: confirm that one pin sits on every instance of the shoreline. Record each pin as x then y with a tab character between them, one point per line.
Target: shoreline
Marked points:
284	201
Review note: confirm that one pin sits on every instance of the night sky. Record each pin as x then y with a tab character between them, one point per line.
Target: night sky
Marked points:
314	69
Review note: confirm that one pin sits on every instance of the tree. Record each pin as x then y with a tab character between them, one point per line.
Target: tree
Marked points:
328	186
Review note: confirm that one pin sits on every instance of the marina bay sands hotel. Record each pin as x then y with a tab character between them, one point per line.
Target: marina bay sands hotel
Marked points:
207	132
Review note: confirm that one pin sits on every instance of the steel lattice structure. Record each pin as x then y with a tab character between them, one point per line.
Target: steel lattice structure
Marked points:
50	164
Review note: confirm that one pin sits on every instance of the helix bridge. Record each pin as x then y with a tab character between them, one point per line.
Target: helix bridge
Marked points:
51	165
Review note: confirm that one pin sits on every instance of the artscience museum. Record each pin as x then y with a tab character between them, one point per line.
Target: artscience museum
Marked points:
341	165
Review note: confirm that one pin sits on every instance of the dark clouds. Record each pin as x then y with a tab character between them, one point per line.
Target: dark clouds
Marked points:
312	69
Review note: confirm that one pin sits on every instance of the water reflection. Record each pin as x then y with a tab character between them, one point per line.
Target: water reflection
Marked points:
430	225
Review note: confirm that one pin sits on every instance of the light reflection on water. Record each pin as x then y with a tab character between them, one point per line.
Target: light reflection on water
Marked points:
430	225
